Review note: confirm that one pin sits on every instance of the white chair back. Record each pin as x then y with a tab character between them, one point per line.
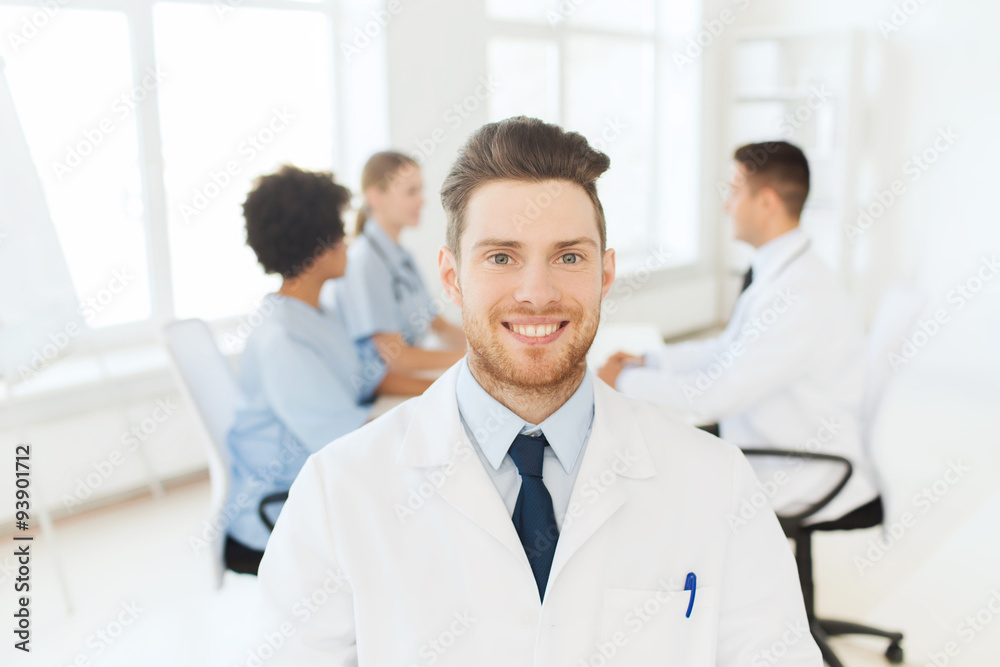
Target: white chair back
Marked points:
209	383
898	310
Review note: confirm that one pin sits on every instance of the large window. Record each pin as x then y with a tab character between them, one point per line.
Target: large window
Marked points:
274	107
148	122
609	71
71	77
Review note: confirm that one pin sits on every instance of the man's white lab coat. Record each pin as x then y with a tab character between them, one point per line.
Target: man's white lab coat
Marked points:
788	372
395	549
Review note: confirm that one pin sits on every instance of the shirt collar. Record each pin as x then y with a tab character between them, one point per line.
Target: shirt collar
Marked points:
494	426
772	255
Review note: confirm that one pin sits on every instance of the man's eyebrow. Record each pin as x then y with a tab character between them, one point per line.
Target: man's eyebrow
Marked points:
583	240
517	245
498	243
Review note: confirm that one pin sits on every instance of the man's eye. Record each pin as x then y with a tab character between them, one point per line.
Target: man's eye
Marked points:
500	259
570	258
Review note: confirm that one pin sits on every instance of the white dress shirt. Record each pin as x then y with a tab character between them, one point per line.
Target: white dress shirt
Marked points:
787	372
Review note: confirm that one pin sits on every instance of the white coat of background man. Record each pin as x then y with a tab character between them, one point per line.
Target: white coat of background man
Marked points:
788	371
521	512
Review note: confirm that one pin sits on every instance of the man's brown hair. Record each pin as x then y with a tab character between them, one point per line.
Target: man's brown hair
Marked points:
780	166
520	149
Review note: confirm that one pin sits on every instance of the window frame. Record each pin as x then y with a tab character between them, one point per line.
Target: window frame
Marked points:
664	44
139	16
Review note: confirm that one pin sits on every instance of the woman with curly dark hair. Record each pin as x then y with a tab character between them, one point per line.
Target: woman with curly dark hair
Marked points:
305	382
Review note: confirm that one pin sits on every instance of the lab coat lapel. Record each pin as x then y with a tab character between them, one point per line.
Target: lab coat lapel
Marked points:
616	449
437	439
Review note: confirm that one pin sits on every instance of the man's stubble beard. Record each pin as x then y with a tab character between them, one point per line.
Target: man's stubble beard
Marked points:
489	356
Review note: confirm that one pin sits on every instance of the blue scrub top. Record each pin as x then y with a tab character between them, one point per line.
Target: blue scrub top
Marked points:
381	291
304	384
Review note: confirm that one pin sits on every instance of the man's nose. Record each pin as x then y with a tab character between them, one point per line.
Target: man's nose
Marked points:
537	286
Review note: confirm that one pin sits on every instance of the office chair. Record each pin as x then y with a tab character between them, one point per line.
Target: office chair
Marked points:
208	382
896	313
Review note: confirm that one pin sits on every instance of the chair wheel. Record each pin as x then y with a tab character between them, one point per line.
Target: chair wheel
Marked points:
894	653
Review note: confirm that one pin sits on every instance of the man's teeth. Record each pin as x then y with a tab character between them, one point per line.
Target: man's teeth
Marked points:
533	330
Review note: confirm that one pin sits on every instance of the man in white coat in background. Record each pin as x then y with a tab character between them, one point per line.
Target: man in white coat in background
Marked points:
520	512
788	371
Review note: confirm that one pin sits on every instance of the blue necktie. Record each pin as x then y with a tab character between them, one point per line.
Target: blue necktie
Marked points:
534	518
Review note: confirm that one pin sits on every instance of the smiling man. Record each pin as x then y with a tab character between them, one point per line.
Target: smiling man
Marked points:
521	512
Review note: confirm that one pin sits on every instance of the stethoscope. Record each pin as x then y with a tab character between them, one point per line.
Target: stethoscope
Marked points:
400	285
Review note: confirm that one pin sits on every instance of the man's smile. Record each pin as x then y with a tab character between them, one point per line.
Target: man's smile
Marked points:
535	330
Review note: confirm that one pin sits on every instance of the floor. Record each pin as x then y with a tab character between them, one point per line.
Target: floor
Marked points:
140	594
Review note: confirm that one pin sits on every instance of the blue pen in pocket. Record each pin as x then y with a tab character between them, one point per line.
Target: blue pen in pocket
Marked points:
690	584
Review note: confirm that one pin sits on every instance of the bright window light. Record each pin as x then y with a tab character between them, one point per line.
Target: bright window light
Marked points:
72	84
275	107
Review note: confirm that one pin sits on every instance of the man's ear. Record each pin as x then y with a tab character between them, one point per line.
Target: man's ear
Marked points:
607	272
770	198
448	273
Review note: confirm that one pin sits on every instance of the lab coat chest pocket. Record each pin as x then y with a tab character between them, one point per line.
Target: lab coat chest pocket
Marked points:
652	627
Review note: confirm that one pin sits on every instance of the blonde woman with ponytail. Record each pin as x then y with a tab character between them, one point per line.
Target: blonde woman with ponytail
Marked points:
382	295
